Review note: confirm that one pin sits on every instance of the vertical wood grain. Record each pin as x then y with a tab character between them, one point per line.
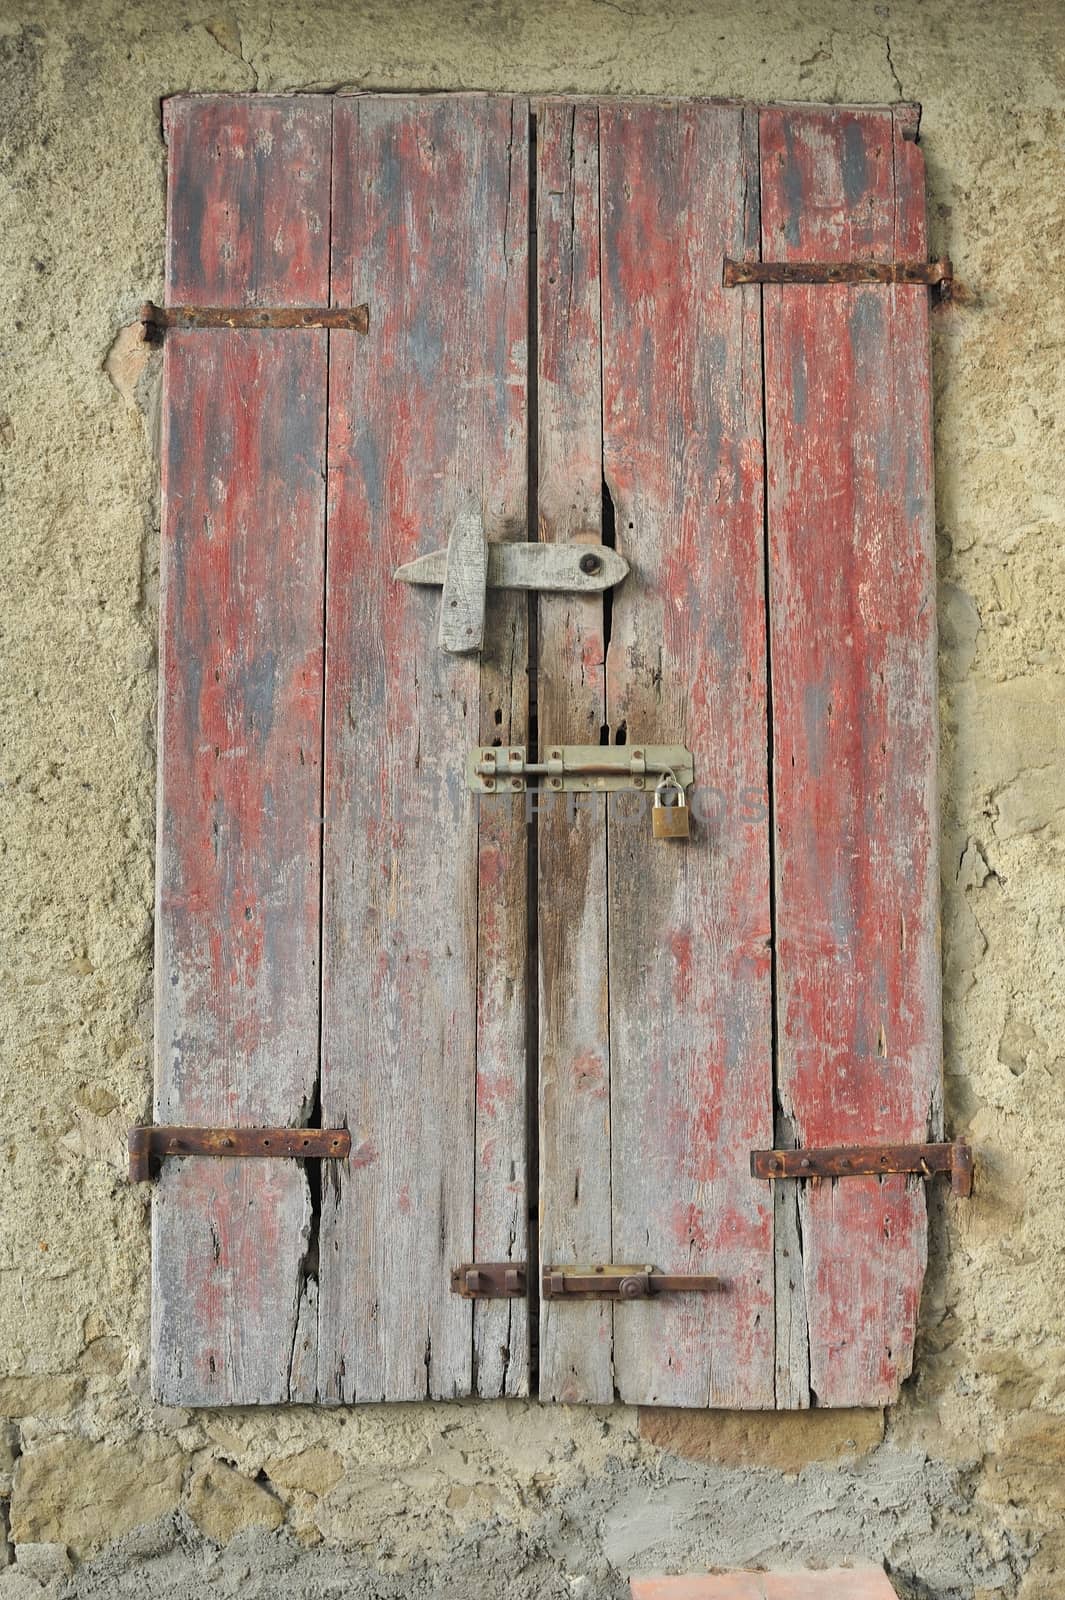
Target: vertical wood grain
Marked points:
501	1191
575	1339
426	419
241	638
852	609
689	924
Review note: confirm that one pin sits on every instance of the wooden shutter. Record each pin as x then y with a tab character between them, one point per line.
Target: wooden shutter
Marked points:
272	1282
650	1105
657	974
424	894
343	931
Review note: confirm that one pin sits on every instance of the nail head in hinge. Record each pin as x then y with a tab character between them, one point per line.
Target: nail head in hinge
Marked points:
622	1282
953	1160
155	320
935	274
489	1280
149	1146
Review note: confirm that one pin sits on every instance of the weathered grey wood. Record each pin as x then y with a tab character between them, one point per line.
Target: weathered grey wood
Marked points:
240	733
690	1037
303	1375
574	1095
465	580
548	568
792	1335
426	420
501	1194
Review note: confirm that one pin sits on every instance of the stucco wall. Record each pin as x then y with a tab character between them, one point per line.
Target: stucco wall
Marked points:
961	1487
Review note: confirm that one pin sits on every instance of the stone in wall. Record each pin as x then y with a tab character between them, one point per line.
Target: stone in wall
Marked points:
787	1442
223	1502
73	1492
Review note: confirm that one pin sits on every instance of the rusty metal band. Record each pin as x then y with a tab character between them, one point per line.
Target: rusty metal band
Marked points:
155	320
149	1146
954	1160
935	274
622	1283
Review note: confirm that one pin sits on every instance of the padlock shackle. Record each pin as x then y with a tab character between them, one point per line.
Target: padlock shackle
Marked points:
669	780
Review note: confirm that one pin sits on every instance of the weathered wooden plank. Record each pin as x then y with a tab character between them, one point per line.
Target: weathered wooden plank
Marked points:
501	1228
853	664
691	1077
462	604
241	636
427	417
574	1089
545	568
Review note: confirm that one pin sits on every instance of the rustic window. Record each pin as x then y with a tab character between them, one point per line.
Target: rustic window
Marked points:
559	1015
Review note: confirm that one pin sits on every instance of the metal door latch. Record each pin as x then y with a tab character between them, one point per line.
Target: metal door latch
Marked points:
471	565
582	768
622	1283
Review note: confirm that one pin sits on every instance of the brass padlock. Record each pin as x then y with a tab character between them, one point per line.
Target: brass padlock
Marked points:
669	821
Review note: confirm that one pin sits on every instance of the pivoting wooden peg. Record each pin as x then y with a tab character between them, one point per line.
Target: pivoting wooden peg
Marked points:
472	564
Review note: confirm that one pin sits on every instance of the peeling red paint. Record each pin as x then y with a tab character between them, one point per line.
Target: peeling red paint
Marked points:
853	625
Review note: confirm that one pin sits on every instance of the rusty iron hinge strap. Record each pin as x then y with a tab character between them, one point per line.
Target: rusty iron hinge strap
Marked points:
490	1280
622	1282
156	319
954	1160
149	1146
936	274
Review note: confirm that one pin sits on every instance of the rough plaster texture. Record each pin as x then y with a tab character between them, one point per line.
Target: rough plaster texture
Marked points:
962	1489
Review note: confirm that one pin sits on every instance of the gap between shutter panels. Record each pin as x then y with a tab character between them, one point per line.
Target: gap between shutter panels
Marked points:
597	474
